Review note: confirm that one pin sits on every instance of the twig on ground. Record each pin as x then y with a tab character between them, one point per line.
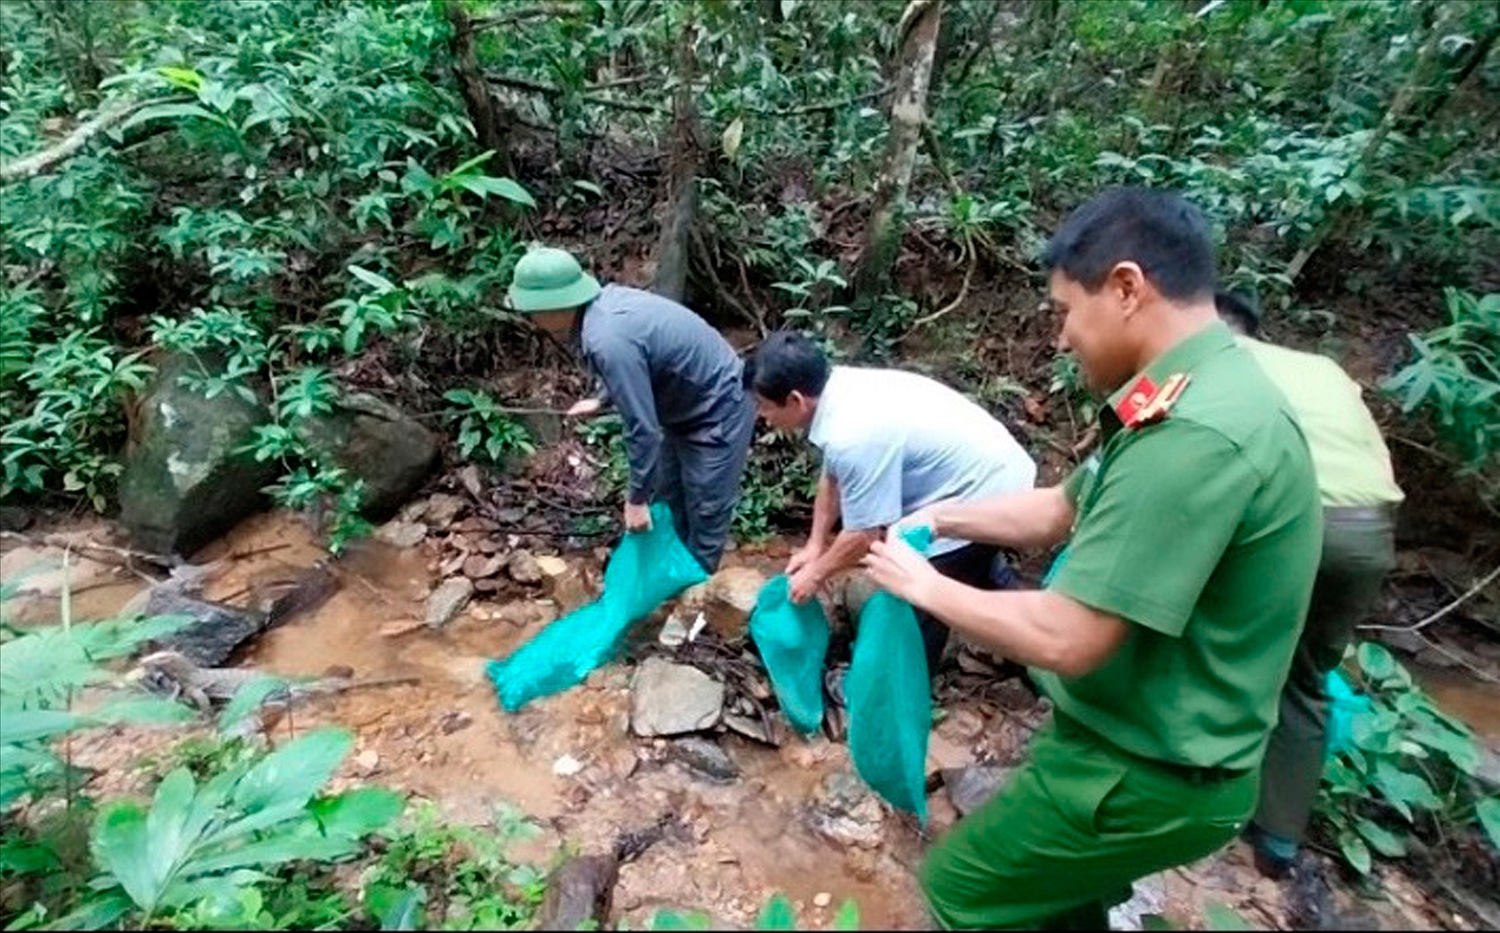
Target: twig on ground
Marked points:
1418	626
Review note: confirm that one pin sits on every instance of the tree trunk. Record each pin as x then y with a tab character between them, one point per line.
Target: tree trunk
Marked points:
916	45
672	249
483	113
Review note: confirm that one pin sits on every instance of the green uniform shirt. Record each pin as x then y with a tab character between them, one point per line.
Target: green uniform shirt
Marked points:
1202	530
1349	455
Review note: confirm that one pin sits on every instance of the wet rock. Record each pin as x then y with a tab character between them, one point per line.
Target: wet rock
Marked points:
378	443
478	566
442	509
215	631
185	482
945	755
448	600
753	728
704	758
402	534
580	893
15	518
971	788
847	813
729	598
523	568
670	699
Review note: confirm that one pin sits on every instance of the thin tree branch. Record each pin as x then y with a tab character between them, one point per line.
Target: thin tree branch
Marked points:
1416	627
521	84
39	162
527	13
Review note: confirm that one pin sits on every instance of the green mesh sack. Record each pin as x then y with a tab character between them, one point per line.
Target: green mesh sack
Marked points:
889	698
646	570
793	641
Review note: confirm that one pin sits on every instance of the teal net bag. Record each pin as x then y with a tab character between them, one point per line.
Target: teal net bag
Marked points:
793	641
889	694
646	570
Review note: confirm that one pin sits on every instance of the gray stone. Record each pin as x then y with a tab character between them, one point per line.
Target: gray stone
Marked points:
447	600
377	443
971	788
185	481
671	699
704	758
523	568
214	632
402	534
846	812
1148	896
442	509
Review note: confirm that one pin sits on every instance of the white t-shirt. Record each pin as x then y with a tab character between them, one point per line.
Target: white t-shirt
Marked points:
896	441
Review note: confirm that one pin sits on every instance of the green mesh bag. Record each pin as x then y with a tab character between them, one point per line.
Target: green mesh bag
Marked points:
889	698
793	641
646	570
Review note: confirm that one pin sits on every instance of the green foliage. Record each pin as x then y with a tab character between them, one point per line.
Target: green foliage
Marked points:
782	474
484	426
777	914
452	877
1455	377
1412	767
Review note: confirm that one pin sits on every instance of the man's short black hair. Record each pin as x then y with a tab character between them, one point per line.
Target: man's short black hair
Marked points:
1157	230
786	362
1239	310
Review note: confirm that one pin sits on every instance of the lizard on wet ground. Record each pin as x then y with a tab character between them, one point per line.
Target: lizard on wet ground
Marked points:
172	673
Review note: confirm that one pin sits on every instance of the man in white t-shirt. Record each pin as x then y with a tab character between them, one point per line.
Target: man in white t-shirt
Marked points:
892	442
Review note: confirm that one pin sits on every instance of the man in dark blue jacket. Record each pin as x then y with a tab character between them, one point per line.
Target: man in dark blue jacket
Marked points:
675	381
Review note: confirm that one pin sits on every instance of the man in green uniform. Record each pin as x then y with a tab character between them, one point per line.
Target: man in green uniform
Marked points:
1360	494
1164	638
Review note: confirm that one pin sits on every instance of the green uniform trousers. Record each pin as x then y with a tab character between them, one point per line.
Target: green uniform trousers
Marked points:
1076	824
1358	552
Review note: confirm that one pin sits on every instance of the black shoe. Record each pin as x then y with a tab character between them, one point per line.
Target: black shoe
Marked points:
1270	864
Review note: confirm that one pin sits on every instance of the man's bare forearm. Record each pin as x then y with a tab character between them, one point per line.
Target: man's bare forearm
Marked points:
847	550
825	511
1037	628
1035	518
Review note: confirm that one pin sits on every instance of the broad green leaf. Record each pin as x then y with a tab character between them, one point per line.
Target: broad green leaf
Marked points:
172	111
375	280
472	164
733	135
1153	923
97	913
778	914
397	908
1403	790
169	835
273	851
359	812
1376	661
1355	852
121	846
1488	811
144	711
295	771
1223	917
29	725
1380	839
247	700
681	920
848	916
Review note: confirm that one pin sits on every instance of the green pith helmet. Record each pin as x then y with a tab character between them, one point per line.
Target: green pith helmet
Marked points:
550	279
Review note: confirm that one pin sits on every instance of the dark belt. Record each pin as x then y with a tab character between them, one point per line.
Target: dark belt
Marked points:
1359	513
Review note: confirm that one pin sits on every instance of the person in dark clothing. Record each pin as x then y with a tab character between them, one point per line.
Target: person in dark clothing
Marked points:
677	384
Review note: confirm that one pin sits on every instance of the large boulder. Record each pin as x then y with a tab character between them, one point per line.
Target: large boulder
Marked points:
186	481
376	442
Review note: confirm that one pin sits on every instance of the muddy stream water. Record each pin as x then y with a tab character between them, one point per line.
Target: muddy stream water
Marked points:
571	764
